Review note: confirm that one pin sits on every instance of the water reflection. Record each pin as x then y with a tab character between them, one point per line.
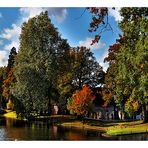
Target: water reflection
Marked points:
17	130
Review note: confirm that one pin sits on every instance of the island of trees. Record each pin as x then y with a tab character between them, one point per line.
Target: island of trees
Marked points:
47	72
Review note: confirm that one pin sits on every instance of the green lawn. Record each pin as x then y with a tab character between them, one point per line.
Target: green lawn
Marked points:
10	114
111	129
128	128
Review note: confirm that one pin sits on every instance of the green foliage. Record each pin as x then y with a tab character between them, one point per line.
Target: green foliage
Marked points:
128	64
37	63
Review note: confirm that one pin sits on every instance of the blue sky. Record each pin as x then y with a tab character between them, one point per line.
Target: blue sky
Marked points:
69	23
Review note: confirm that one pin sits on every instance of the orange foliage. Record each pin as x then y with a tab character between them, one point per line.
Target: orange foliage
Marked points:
141	66
98	15
6	84
135	105
82	100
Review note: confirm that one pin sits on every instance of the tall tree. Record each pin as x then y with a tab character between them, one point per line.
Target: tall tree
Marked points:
132	57
37	63
10	79
2	78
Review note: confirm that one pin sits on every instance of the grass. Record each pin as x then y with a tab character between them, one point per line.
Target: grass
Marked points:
10	114
128	128
112	128
59	118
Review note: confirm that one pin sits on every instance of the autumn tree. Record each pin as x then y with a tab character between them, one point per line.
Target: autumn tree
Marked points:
81	101
132	63
10	79
131	106
127	74
81	68
3	72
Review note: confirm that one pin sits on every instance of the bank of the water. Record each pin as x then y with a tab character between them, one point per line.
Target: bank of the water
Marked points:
111	129
53	118
108	128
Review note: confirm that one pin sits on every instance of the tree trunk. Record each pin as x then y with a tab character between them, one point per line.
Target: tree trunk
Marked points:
145	113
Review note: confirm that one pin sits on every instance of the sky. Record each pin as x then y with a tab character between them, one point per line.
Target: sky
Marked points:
71	24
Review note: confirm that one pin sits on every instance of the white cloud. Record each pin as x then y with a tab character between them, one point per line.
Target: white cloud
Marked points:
115	13
96	46
3	58
59	13
104	65
15	44
11	33
87	43
27	13
101	60
1	42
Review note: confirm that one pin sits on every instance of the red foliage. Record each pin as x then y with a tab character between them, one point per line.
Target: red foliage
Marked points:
113	49
82	100
6	84
98	15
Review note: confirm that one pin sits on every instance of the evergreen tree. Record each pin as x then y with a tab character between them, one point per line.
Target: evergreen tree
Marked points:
37	63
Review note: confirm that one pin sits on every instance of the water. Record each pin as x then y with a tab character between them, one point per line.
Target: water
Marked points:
17	130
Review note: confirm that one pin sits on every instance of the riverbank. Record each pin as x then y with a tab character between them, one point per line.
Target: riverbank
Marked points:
107	128
110	128
52	118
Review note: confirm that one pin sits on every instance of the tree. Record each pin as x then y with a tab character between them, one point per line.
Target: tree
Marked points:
80	68
81	101
2	78
11	59
110	82
131	71
37	63
131	107
10	79
86	69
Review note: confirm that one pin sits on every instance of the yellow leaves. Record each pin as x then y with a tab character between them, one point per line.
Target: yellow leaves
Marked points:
6	84
131	106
